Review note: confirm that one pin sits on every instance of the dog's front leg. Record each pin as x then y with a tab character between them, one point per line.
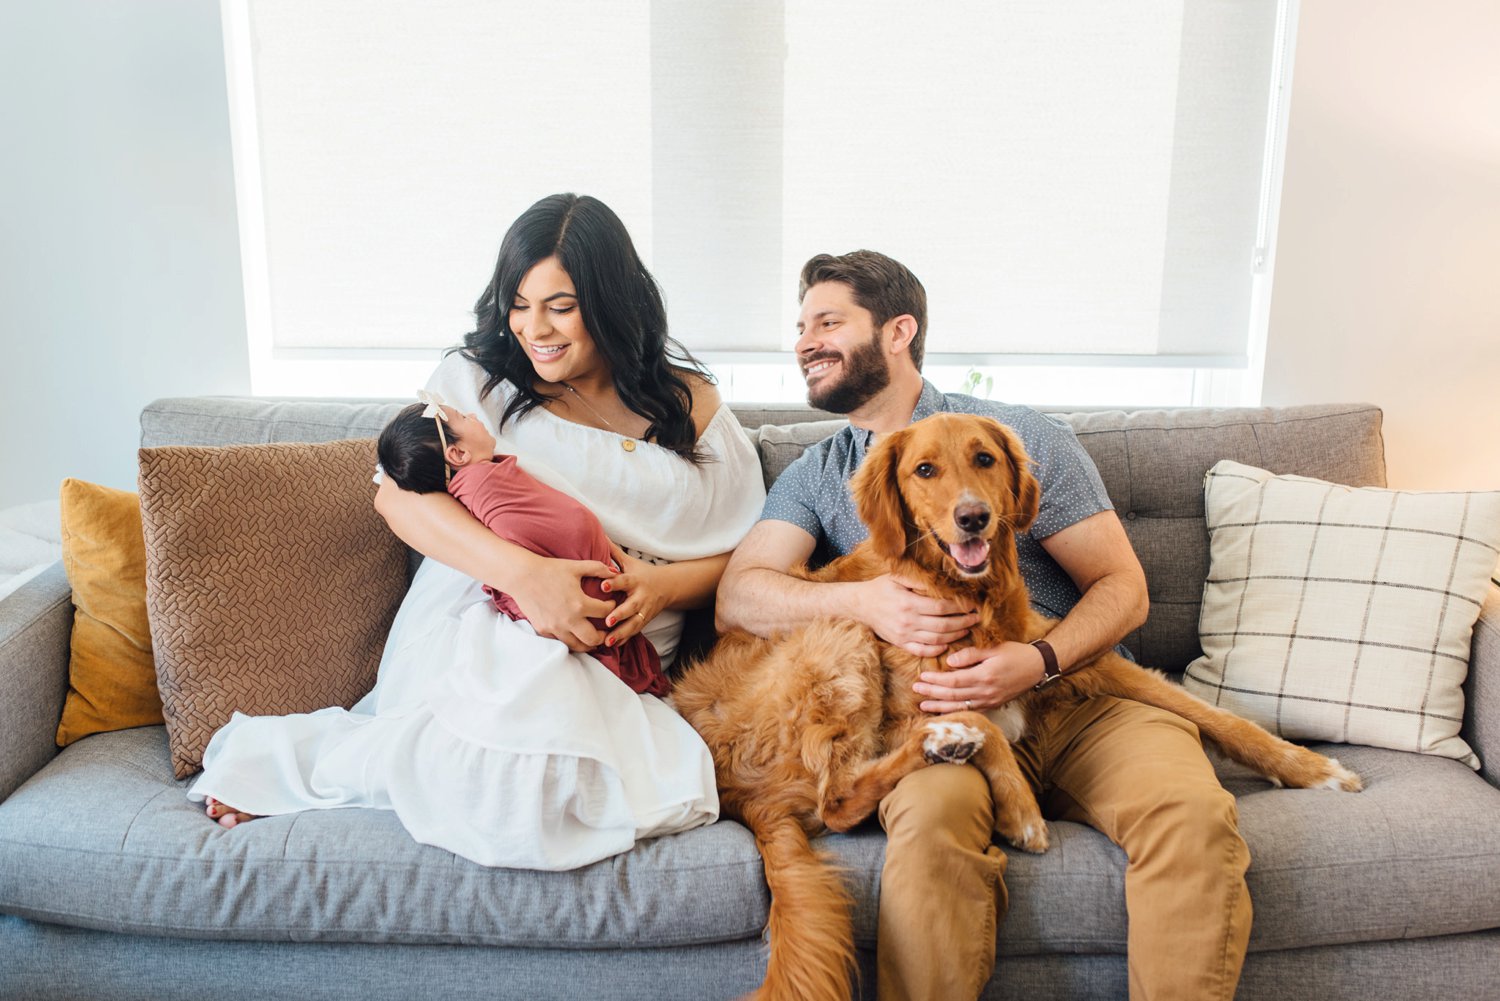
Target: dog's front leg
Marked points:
1018	816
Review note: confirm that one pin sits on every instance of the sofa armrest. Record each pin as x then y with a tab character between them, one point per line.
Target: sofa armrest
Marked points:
36	622
1482	690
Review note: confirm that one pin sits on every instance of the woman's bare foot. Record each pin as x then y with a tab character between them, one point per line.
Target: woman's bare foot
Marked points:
226	815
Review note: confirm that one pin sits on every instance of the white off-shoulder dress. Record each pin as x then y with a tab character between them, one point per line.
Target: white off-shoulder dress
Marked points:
486	739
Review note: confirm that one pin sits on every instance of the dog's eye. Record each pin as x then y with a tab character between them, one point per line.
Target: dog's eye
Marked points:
926	470
984	460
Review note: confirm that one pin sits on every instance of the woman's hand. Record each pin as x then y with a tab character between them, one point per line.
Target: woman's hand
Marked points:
644	587
981	679
556	605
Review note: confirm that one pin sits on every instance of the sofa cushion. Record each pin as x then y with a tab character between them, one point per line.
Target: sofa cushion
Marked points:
1332	613
104	837
245	420
780	445
1417	854
270	580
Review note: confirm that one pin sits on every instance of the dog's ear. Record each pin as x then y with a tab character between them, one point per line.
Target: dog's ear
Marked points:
877	495
1025	489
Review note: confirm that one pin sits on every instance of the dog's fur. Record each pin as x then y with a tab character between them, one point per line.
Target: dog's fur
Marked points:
810	730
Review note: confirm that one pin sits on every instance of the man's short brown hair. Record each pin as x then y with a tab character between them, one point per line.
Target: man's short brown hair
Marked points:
885	287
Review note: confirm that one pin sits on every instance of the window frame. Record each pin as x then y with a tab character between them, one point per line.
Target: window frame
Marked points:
382	372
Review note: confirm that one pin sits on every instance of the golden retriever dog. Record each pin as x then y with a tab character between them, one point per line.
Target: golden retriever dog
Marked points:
811	729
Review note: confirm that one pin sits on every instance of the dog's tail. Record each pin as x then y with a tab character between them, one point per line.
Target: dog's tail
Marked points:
810	929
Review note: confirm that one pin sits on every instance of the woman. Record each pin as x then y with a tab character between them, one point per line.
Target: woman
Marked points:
499	739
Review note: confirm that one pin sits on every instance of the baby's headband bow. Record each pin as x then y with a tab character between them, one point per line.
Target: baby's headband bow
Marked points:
435	404
434	409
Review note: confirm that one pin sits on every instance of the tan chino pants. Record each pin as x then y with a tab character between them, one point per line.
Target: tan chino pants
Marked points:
1135	773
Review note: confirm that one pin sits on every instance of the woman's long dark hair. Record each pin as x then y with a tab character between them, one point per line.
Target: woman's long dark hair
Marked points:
621	306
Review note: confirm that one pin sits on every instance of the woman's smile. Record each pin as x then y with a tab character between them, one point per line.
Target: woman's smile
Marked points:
547	352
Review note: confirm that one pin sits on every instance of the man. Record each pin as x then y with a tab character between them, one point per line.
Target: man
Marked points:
1135	773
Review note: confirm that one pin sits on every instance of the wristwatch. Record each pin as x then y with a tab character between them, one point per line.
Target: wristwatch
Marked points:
1050	671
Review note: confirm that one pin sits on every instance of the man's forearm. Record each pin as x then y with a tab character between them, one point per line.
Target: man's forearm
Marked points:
765	602
1107	612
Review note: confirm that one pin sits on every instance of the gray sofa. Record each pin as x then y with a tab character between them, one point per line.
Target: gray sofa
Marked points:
113	885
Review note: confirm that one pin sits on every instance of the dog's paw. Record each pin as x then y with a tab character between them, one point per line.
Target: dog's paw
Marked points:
836	815
951	742
1340	778
1028	834
1311	770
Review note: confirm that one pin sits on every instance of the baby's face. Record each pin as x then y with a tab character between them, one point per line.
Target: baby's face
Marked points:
470	430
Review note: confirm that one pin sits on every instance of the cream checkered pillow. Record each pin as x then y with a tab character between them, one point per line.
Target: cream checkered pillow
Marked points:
1342	614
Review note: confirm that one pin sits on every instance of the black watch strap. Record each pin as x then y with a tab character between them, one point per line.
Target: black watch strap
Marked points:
1050	670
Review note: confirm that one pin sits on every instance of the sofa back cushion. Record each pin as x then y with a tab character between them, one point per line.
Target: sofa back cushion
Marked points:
1153	462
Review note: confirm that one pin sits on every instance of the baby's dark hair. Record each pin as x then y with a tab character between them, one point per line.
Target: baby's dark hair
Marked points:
411	453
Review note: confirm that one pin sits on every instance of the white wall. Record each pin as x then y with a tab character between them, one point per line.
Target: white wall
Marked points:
1387	281
119	254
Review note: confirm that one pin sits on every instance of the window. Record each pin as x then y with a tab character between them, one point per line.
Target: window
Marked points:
1077	185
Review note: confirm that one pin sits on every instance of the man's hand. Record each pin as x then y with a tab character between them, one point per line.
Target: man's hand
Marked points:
983	679
902	615
556	605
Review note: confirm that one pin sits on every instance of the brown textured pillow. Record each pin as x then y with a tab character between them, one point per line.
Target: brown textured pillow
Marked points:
270	581
111	677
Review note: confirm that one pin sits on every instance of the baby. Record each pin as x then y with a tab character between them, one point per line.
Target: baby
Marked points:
422	455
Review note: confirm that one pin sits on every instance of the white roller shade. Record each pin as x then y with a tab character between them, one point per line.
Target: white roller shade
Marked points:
1066	179
397	141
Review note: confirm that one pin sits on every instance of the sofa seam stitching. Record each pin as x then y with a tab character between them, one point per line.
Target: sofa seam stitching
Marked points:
364	863
430	938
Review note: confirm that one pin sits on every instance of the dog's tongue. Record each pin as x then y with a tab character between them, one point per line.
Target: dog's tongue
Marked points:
971	554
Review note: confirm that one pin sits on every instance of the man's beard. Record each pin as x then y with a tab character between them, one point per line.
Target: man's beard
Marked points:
865	374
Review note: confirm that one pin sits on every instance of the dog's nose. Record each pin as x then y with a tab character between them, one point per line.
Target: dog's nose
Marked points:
972	517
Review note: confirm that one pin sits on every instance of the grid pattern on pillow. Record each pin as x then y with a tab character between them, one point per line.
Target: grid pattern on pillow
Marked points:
270	582
1342	614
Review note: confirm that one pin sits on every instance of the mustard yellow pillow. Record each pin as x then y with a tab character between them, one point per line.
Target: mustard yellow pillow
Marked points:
112	677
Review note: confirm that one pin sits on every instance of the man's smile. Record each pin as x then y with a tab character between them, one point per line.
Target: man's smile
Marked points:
817	368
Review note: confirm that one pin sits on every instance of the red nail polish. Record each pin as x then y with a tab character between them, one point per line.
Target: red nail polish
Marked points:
609	621
604	586
609	641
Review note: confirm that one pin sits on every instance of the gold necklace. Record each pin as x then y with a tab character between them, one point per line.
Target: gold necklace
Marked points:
580	399
626	442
